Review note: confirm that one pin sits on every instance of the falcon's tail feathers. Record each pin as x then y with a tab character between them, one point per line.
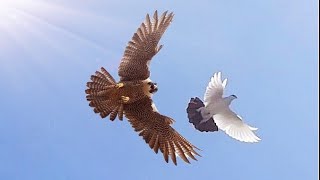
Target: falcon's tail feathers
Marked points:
99	93
194	116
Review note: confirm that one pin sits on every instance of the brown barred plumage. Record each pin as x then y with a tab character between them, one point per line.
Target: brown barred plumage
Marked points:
131	96
142	47
157	132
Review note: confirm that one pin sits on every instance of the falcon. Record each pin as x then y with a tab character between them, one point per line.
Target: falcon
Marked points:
132	95
215	113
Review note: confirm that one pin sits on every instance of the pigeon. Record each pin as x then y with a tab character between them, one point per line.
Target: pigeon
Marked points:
215	114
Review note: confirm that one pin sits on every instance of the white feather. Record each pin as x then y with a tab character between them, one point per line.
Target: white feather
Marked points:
225	119
214	90
154	107
232	125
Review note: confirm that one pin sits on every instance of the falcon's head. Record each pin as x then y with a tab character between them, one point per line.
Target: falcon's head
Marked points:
152	87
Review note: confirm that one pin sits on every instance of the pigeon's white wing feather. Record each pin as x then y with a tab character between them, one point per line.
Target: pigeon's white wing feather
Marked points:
233	125
214	89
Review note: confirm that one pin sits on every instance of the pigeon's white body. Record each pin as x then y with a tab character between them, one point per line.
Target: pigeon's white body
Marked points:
217	107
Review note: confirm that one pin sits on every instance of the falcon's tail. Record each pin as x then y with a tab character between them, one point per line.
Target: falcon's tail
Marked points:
100	92
194	116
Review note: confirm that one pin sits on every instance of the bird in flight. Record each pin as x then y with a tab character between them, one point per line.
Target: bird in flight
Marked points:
215	113
132	95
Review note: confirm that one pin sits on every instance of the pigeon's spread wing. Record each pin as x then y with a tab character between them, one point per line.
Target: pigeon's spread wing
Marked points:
157	132
143	46
195	117
214	89
233	125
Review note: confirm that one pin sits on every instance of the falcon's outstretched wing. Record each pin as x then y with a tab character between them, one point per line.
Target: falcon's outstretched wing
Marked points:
157	132
143	46
233	125
214	89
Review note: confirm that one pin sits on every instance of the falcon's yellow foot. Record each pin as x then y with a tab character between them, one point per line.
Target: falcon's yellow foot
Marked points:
119	85
125	99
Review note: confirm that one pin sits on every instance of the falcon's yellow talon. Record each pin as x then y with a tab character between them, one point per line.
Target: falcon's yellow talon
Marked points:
119	85
125	99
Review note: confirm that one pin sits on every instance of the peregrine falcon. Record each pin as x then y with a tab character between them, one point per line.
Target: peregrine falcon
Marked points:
215	113
132	95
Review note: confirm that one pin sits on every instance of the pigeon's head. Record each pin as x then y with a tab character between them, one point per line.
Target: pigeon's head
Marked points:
153	87
229	99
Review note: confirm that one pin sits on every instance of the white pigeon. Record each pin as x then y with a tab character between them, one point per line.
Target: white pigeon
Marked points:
216	108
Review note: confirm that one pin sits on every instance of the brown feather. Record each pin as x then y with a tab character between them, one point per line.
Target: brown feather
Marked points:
142	47
152	140
149	24
172	152
99	80
165	151
107	75
155	17
157	132
113	114
156	145
180	153
120	112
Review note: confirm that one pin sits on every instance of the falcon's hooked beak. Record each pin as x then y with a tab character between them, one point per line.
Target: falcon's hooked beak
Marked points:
153	87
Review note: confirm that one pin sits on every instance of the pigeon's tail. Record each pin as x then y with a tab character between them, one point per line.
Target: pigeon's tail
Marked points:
194	116
101	92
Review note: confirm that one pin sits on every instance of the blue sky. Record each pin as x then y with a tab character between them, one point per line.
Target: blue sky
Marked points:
267	49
